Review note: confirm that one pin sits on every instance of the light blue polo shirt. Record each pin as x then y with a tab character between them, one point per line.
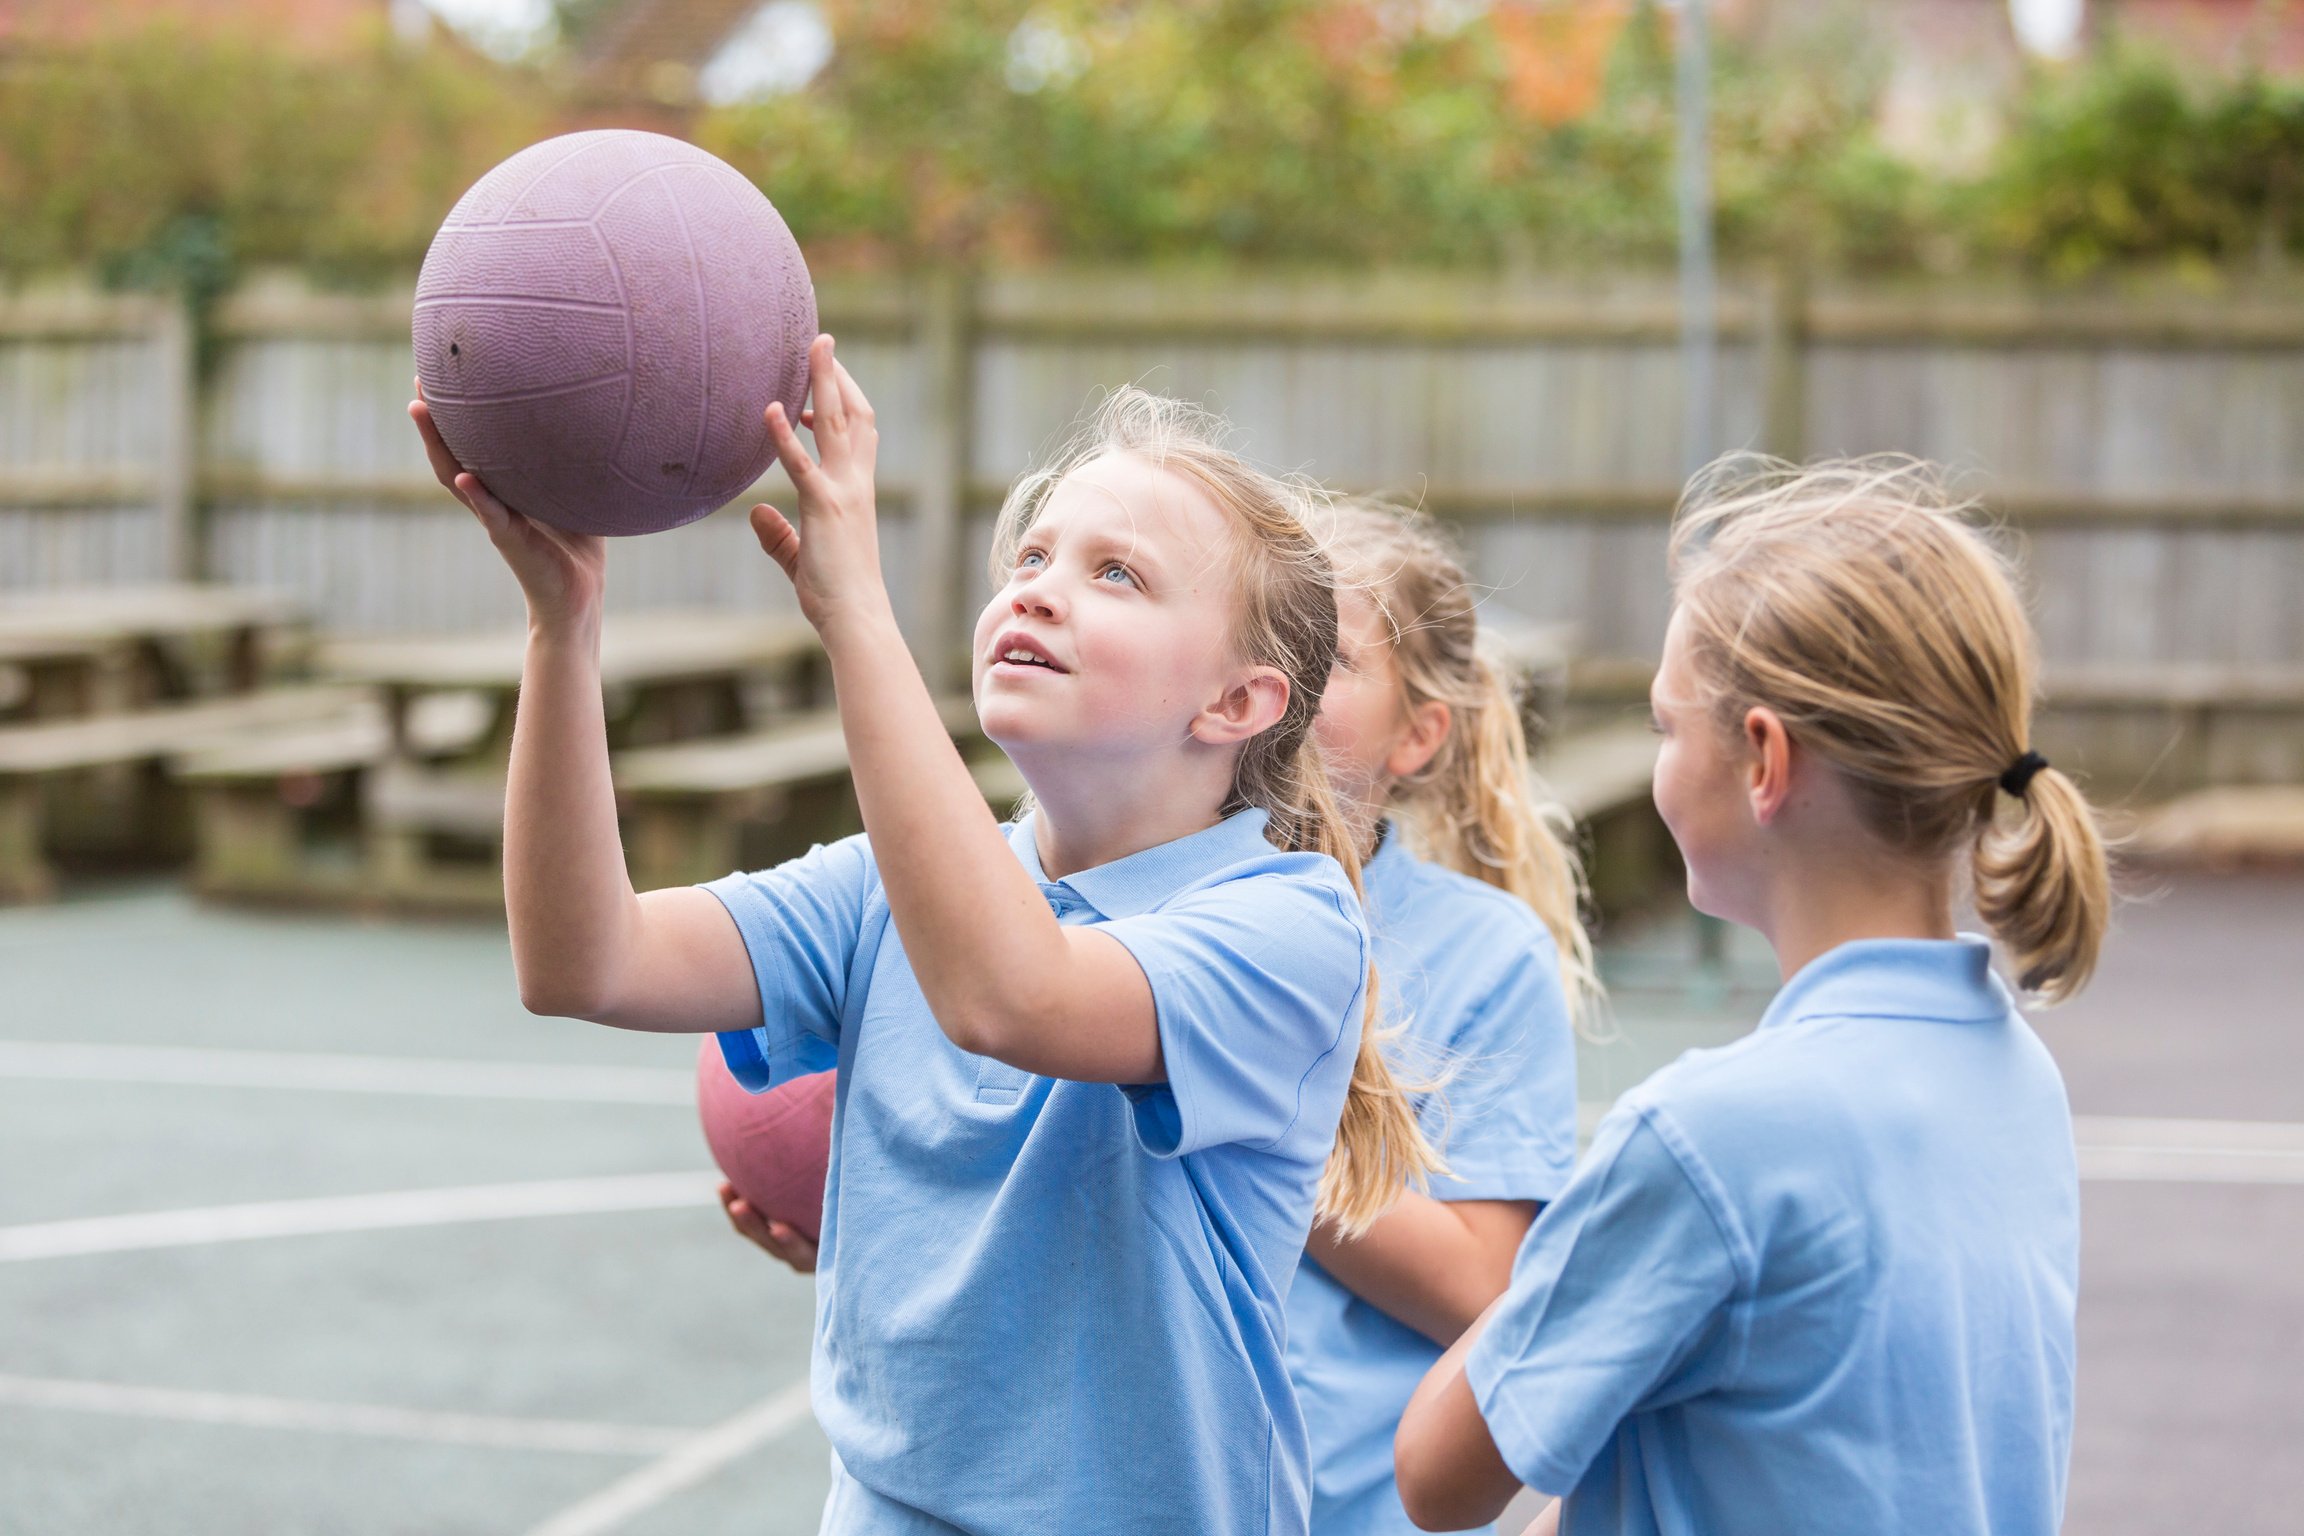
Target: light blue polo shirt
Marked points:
1820	1280
1048	1305
1473	977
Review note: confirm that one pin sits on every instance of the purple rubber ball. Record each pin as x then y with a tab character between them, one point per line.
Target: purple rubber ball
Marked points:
599	325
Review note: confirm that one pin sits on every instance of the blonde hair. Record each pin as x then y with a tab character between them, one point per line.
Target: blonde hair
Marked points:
1474	807
1855	600
1286	619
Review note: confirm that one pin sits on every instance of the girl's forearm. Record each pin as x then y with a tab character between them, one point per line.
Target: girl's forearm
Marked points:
990	956
567	895
1433	1265
1450	1474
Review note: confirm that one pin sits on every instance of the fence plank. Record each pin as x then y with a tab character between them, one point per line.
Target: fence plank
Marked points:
2149	449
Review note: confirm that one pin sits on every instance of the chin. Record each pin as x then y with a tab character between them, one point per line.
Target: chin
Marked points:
1008	723
1707	897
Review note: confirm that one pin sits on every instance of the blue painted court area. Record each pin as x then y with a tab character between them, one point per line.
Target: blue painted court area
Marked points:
305	1225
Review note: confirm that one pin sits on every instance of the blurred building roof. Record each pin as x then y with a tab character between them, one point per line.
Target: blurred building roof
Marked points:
2228	34
1954	63
316	25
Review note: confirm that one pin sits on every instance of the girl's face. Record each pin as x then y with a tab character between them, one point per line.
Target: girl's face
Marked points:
1364	727
1114	629
1702	788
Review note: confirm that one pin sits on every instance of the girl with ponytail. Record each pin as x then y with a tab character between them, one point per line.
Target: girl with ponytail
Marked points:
1821	1280
1473	899
1095	1071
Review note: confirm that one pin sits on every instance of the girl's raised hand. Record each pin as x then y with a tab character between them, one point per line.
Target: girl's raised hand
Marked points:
835	564
562	574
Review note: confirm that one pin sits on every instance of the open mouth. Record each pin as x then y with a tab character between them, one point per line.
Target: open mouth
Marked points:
1019	651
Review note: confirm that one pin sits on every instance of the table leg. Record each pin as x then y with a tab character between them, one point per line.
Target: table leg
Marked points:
24	872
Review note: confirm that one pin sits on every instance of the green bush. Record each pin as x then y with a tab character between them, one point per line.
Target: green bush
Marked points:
166	156
1264	129
2128	161
1278	131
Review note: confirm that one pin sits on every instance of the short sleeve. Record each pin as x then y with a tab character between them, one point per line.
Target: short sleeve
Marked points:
801	923
1257	984
1624	1297
1505	1119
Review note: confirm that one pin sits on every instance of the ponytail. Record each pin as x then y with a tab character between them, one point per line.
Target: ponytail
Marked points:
1853	600
2041	885
1380	1146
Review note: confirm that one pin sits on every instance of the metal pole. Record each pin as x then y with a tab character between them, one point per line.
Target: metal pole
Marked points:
1699	339
1698	330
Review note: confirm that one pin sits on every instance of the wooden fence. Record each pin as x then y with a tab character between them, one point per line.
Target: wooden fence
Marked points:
2147	453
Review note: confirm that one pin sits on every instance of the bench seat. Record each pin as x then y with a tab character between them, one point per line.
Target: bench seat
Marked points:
33	755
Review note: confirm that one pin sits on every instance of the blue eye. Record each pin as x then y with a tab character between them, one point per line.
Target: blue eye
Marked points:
1120	572
1031	560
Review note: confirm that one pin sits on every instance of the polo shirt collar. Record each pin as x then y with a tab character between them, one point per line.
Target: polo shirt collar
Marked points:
1388	872
1946	979
1141	881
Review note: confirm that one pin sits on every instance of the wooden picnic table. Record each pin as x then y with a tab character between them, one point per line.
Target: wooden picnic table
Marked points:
668	675
431	815
84	651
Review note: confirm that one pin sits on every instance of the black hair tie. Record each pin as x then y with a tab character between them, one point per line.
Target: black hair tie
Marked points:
2018	778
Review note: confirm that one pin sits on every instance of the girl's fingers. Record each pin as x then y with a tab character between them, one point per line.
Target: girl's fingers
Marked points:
778	537
790	451
444	465
852	398
791	1247
824	390
484	506
748	1222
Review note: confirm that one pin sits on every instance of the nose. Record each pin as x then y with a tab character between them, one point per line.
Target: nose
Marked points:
1034	596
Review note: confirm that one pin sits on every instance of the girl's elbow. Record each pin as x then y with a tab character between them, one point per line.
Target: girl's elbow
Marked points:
551	993
1438	1488
971	1029
1001	1025
552	1000
1422	1495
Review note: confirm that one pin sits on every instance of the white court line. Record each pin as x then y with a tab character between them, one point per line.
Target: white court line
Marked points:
2124	1149
490	1431
312	1071
356	1213
680	1469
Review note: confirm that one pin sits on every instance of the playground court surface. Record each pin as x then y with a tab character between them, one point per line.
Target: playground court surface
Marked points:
306	1226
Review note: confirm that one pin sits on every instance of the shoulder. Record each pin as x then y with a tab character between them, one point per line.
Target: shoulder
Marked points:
1276	885
1707	1073
828	870
1644	1161
1715	1100
1437	917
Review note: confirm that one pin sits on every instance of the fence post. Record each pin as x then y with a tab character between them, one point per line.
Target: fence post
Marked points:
941	342
176	475
1784	362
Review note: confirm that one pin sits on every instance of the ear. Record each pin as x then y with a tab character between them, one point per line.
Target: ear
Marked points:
1420	742
1253	704
1768	768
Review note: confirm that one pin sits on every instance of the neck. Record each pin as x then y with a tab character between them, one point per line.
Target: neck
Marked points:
1819	908
1092	810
